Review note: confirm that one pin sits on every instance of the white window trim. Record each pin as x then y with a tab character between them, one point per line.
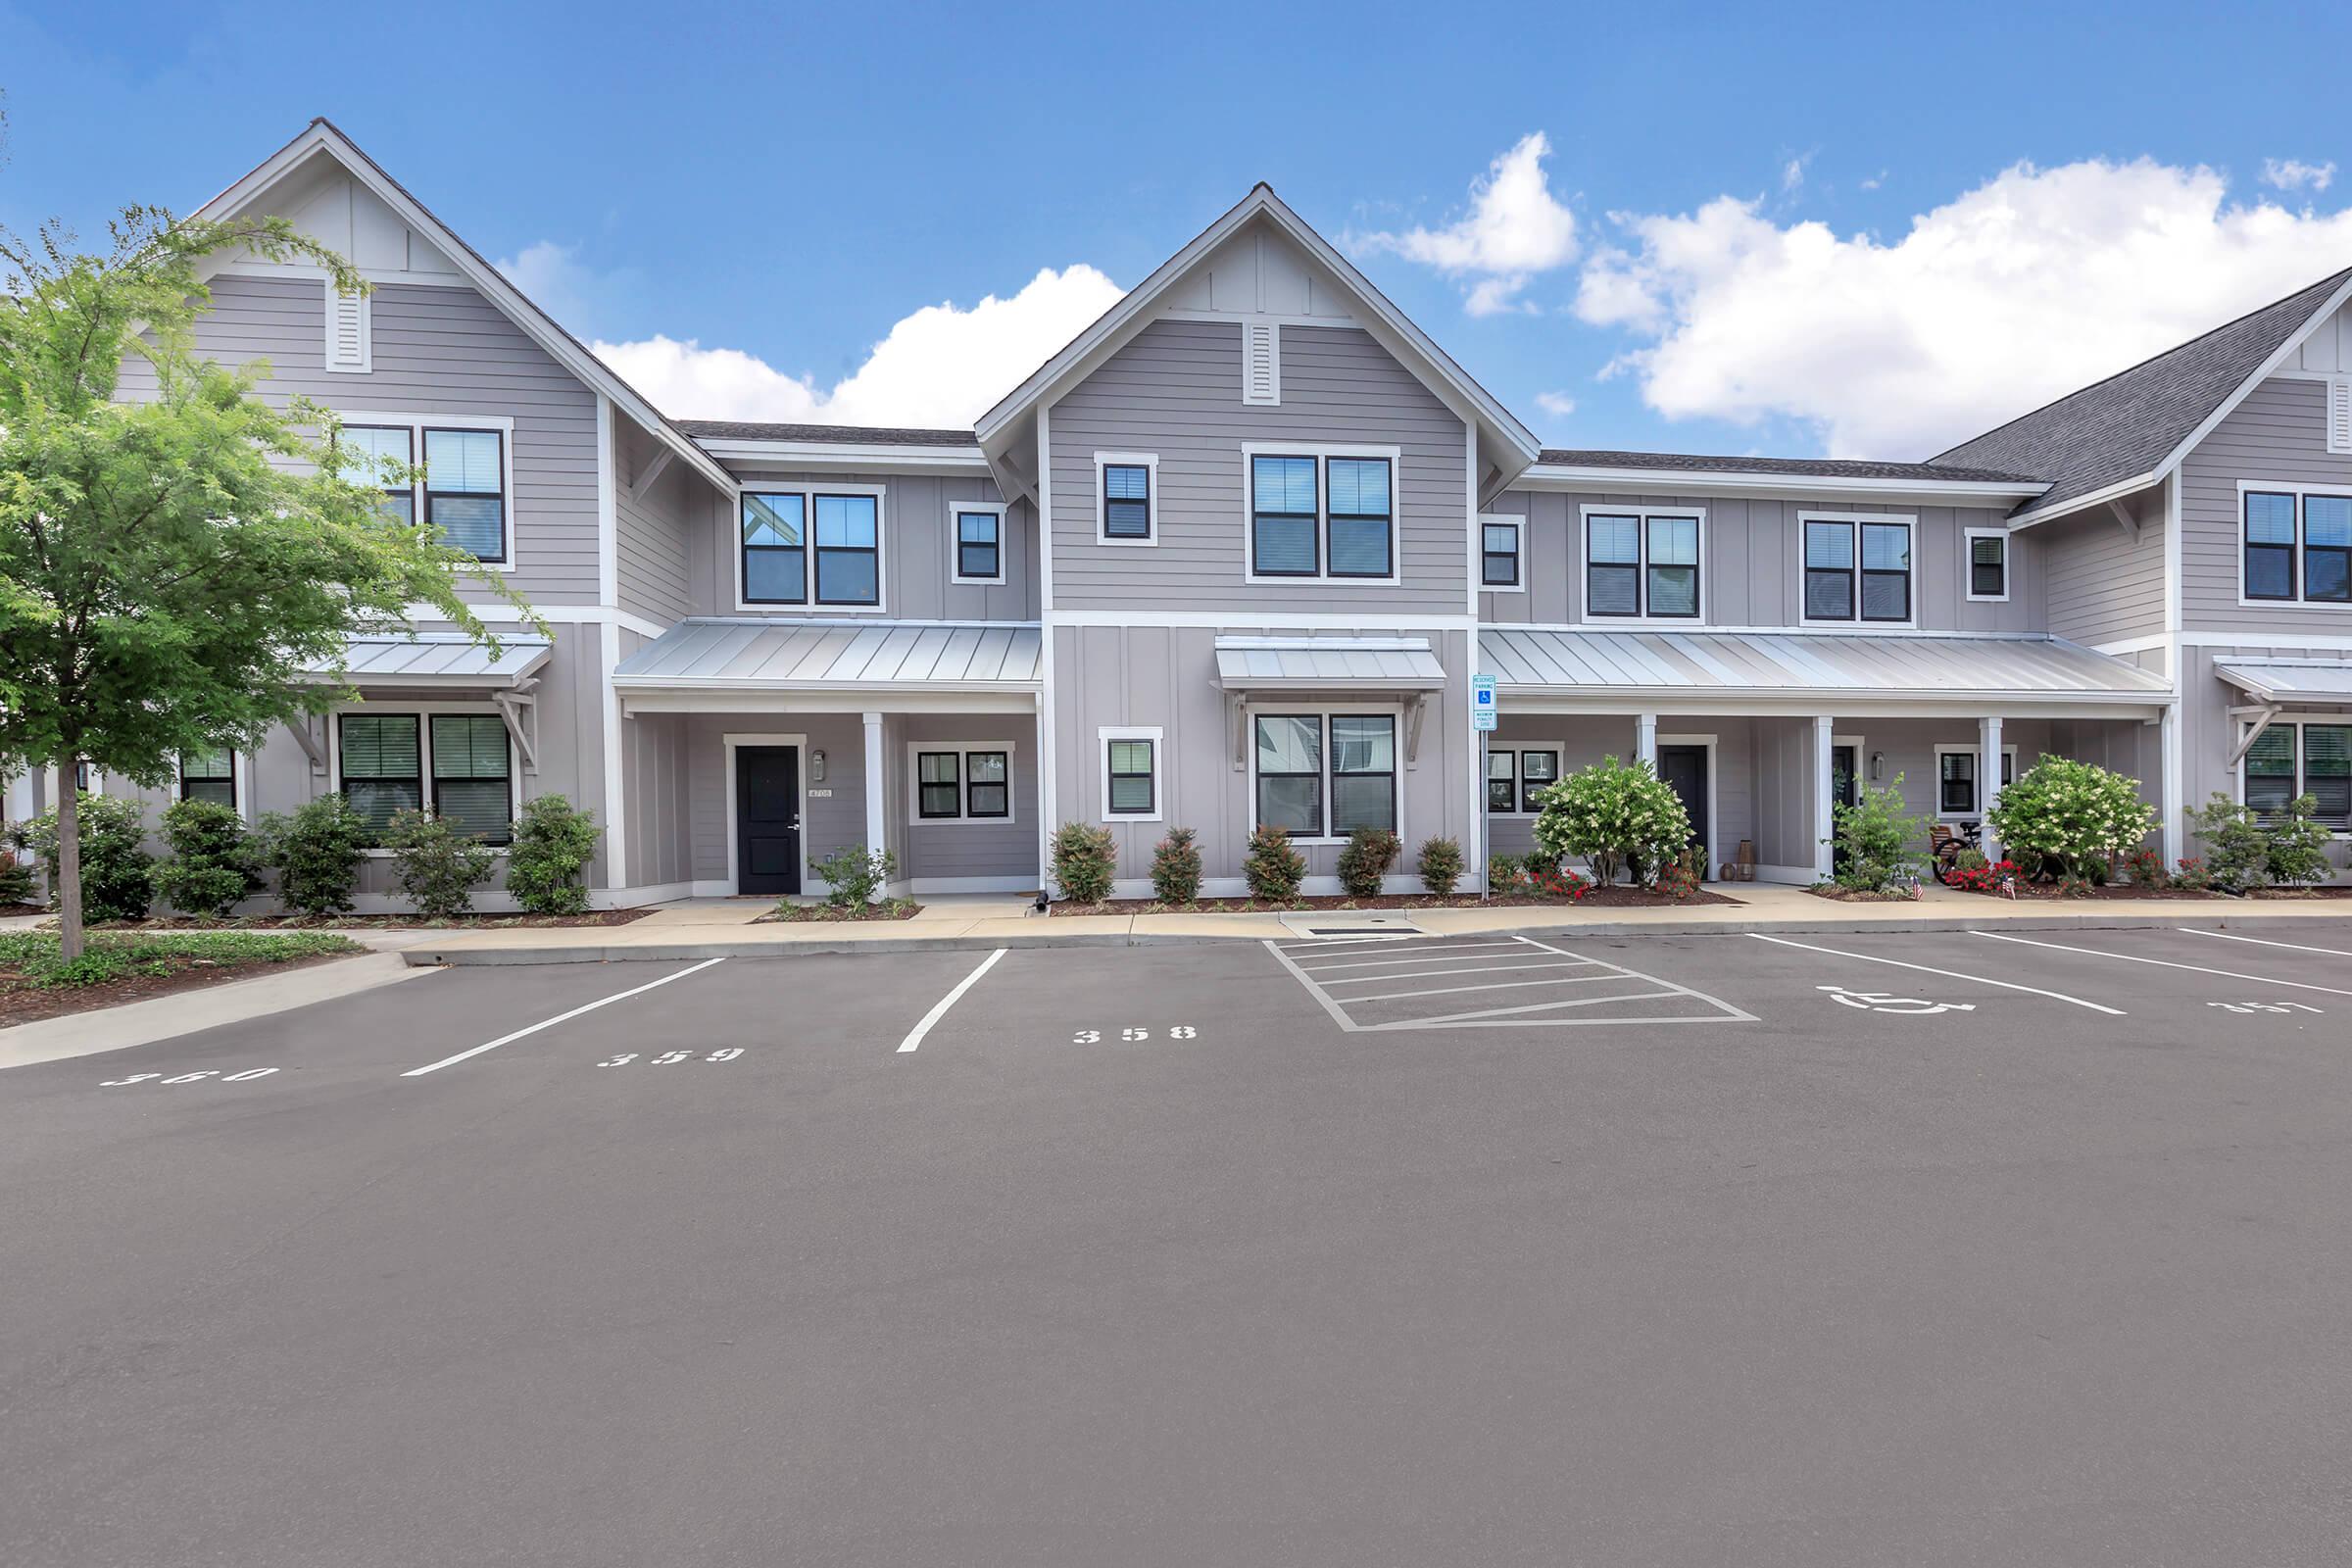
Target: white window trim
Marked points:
1518	526
956	511
417	424
963	784
1935	782
240	780
1968	563
1129	460
2237	543
1104	736
366	303
1559	761
1322	453
1583	556
809	490
1277	707
2298	724
424	751
1855	621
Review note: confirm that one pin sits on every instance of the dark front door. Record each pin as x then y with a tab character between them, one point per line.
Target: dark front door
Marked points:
768	819
1684	769
1846	778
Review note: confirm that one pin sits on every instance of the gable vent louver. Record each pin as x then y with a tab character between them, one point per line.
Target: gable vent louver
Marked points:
1261	363
2339	413
349	331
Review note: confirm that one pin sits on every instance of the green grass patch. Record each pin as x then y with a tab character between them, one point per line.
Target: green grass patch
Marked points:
29	958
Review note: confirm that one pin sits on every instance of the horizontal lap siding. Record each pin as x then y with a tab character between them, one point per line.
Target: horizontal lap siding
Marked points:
2278	435
654	540
436	351
2104	586
1175	391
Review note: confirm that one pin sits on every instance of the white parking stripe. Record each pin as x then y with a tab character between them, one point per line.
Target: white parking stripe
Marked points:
1948	974
1656	980
1322	995
1483	968
1497	984
561	1018
2199	931
1499	1016
2166	964
939	1009
1446	956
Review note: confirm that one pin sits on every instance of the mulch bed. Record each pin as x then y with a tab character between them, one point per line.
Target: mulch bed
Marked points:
797	913
1860	895
30	1005
1614	898
368	922
2049	890
2332	891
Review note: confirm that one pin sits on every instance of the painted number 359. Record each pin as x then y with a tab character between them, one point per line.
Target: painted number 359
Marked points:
1129	1035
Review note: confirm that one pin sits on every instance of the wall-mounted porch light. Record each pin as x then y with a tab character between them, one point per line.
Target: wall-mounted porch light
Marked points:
816	767
1878	767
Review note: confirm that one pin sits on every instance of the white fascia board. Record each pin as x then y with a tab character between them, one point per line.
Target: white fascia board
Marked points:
486	279
1844	701
2094	498
1798	487
874	456
730	683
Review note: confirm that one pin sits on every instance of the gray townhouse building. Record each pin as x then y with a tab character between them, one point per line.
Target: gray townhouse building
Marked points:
1236	553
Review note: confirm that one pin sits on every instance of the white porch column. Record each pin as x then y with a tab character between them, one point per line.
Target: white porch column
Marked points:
1989	779
2168	749
1825	796
1645	739
876	835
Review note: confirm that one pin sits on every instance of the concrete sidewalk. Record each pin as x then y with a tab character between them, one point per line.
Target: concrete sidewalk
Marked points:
728	928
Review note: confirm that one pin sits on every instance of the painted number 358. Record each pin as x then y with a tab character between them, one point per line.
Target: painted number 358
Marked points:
1129	1035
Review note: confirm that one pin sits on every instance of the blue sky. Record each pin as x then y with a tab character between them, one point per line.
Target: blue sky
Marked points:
1770	230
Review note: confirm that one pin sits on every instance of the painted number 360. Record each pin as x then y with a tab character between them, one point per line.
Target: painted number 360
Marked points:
1094	1037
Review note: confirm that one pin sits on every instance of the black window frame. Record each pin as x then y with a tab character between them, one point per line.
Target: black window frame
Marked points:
1313	515
1333	772
2298	775
819	550
1332	518
430	762
1508	779
407	440
1112	773
924	786
1528	786
1976	795
1320	775
1633	566
994	545
973	785
2341	553
1696	566
744	546
1487	555
226	777
1859	576
343	776
506	502
2000	569
2289	551
1104	501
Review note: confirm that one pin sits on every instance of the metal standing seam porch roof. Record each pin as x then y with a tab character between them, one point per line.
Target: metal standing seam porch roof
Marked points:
1327	663
2289	681
1696	664
439	659
715	653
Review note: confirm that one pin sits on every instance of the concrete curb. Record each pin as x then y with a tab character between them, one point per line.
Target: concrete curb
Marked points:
427	955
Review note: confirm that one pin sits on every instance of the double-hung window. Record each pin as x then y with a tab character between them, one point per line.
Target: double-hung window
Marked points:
979	544
2296	547
466	489
1858	569
1329	515
383	454
1320	775
1127	502
1499	553
462	764
1130	781
1956	778
209	775
2293	758
969	781
1514	775
817	548
1988	564
472	775
1642	565
381	758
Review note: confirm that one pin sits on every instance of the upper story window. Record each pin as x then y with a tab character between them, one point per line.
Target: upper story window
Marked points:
466	488
209	776
1499	553
1857	568
1642	565
1322	513
1988	564
2296	547
1127	489
815	547
979	540
385	449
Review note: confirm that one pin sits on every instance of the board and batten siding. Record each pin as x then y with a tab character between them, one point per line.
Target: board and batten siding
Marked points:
437	350
2208	733
2277	436
2105	585
1752	566
1175	390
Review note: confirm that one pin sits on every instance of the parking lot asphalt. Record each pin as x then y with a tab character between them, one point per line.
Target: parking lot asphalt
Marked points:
1867	1248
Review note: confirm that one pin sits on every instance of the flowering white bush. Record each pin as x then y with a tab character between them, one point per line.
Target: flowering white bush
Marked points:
1618	815
2070	815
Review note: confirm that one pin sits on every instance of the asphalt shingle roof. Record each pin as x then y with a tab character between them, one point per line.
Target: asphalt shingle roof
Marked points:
2128	425
846	434
1800	468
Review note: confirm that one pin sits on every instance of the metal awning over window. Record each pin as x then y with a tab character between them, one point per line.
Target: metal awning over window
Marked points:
1256	669
440	659
2289	682
719	663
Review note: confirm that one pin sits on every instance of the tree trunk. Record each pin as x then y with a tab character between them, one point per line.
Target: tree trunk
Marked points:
69	859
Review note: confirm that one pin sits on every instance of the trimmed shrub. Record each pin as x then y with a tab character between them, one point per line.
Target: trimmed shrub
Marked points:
118	874
1365	861
1876	840
854	874
2071	816
1271	866
1620	817
1441	866
554	841
316	854
1176	867
2295	845
1504	873
2237	852
437	867
1084	859
214	862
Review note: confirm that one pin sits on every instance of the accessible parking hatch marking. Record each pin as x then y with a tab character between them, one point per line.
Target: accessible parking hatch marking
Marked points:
1429	968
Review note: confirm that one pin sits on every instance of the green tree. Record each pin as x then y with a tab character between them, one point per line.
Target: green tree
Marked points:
170	565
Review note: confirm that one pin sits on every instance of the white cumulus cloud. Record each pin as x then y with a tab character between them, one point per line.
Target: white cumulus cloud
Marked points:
1514	228
2036	283
1559	405
942	366
2292	173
